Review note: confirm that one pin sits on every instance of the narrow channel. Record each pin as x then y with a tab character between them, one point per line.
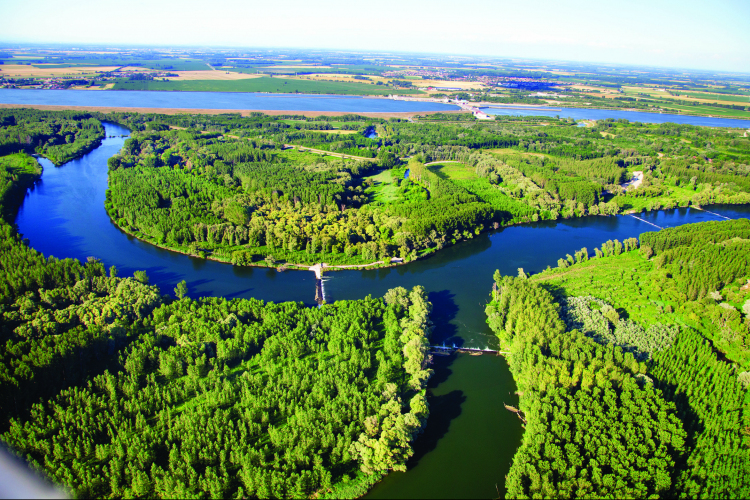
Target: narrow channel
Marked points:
470	439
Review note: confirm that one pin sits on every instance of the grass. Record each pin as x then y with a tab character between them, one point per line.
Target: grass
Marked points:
628	281
291	121
384	189
635	285
155	64
718	97
303	159
13	70
707	110
454	171
264	84
335	131
510	151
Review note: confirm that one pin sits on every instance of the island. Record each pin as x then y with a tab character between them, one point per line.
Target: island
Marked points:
291	191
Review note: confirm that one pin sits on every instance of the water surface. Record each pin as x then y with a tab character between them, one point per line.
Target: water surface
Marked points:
633	116
470	439
216	100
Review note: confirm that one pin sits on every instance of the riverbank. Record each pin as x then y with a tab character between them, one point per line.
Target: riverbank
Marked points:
283	266
394	261
562	106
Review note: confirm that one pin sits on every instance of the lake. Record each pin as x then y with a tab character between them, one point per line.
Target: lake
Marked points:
470	438
307	102
216	100
633	116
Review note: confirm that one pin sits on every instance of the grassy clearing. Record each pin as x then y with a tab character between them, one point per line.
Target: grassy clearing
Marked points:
335	132
384	189
303	159
264	84
641	292
611	279
509	151
454	171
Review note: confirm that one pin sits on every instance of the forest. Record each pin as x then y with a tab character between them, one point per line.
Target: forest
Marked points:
240	189
59	136
631	359
115	389
632	367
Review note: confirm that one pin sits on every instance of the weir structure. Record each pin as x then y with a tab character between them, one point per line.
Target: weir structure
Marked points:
445	350
319	291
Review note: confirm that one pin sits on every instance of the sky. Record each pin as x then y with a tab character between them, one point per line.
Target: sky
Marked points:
680	34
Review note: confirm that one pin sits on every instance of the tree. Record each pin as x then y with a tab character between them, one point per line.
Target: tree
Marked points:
141	276
181	289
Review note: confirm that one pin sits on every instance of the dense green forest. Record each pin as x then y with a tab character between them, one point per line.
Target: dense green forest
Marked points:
633	367
231	188
114	389
59	136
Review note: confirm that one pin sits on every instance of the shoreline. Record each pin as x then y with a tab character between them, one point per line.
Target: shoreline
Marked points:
624	110
314	114
288	266
207	111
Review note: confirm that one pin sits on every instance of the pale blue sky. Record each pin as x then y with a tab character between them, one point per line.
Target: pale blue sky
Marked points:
690	34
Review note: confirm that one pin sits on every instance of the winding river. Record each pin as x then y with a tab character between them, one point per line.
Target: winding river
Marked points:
470	439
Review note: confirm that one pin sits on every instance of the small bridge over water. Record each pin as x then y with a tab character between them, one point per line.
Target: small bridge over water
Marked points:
442	350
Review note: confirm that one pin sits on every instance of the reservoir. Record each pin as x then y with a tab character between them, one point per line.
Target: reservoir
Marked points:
470	438
633	116
217	100
308	102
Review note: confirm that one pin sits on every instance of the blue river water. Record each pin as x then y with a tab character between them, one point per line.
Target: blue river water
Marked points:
216	100
307	102
633	116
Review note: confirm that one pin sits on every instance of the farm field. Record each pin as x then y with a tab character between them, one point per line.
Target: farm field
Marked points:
50	71
264	84
738	99
210	75
707	110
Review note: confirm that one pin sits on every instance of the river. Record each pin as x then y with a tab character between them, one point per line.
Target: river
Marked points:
470	438
633	116
217	100
308	102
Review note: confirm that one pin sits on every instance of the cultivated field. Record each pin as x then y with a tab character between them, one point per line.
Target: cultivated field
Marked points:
265	84
210	75
24	71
